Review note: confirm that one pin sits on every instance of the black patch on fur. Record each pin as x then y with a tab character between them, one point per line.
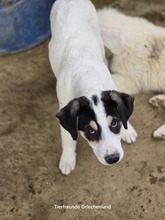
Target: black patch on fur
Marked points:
118	105
77	115
115	129
68	115
85	117
95	99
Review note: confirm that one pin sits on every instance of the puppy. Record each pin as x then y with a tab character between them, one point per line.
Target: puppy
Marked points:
138	64
85	90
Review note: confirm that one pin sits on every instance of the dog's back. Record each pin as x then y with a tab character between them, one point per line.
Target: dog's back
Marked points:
76	37
142	54
76	50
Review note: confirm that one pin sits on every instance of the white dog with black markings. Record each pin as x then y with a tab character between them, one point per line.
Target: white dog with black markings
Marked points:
139	63
85	90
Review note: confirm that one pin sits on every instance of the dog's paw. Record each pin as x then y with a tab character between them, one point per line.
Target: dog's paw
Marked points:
160	132
67	163
158	100
130	135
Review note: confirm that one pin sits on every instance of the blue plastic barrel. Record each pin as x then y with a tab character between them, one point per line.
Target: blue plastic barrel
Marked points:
23	24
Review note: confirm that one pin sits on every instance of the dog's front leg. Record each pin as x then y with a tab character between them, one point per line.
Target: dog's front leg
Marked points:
68	156
129	136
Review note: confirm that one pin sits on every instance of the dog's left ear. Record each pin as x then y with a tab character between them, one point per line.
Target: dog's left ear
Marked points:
68	115
124	105
113	39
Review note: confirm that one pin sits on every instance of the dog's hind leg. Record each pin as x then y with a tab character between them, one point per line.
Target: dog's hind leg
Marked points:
68	156
160	132
158	100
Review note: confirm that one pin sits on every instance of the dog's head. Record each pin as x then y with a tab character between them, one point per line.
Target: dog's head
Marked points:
99	119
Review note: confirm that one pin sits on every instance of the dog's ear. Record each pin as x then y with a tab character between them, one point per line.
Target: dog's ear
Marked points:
120	103
68	116
124	105
113	39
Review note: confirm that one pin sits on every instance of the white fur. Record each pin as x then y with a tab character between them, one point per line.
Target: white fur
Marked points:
160	132
76	54
159	101
139	63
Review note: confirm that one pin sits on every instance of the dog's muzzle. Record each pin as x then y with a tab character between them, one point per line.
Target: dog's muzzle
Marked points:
112	158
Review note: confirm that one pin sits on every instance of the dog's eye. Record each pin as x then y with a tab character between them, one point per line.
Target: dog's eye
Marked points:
115	126
89	129
114	123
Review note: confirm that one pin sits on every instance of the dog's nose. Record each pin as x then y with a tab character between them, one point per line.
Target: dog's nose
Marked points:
112	158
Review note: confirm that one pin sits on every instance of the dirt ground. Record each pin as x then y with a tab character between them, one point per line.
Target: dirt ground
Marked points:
30	181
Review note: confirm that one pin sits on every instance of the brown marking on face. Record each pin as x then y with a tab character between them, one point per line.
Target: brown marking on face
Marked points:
109	119
93	125
83	134
89	142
